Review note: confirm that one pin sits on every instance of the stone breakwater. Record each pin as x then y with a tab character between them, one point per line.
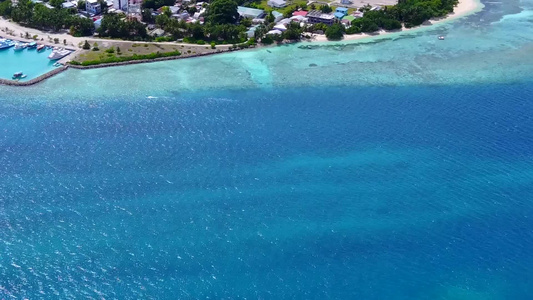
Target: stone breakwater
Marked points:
131	62
142	61
34	80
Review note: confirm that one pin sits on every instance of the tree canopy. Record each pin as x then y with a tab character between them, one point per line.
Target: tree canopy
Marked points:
335	32
222	12
114	26
41	17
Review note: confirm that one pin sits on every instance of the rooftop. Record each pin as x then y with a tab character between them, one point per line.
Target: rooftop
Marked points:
319	14
248	11
339	15
302	13
349	18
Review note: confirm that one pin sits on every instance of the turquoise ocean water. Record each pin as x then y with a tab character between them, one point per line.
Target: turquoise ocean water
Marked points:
28	61
393	169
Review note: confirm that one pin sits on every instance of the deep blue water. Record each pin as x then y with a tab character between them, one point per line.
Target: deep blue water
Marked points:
325	193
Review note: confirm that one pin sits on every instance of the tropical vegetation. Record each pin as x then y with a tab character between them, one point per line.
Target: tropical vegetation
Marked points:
37	15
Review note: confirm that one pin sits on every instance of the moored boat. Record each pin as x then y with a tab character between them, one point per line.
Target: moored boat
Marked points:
40	47
4	44
20	46
57	54
18	75
32	45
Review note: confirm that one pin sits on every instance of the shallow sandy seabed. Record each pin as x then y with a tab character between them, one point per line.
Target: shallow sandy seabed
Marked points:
492	45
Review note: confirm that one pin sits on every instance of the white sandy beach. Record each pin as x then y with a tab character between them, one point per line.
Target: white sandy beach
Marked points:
15	31
464	8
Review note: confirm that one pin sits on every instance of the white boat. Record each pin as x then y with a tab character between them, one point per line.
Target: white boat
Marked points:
441	38
57	54
19	46
18	75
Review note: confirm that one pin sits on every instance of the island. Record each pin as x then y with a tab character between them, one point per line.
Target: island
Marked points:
113	32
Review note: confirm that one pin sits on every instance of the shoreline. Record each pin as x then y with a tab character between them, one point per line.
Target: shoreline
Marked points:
34	80
464	8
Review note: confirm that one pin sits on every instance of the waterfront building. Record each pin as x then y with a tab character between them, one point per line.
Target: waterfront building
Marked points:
316	16
341	12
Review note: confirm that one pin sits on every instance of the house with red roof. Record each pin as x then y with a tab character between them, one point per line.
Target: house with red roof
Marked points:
302	13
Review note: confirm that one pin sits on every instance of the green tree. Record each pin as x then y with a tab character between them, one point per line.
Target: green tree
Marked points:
293	32
81	5
192	10
166	11
56	3
222	12
246	22
86	45
81	26
5	8
267	40
162	20
335	32
270	17
147	16
326	9
368	25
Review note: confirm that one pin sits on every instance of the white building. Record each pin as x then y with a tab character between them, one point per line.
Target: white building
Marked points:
277	3
93	7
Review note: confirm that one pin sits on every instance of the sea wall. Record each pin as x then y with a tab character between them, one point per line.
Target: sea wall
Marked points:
63	68
141	61
34	80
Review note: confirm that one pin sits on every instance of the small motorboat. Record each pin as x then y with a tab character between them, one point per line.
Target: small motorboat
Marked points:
441	37
18	75
32	45
19	46
41	47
